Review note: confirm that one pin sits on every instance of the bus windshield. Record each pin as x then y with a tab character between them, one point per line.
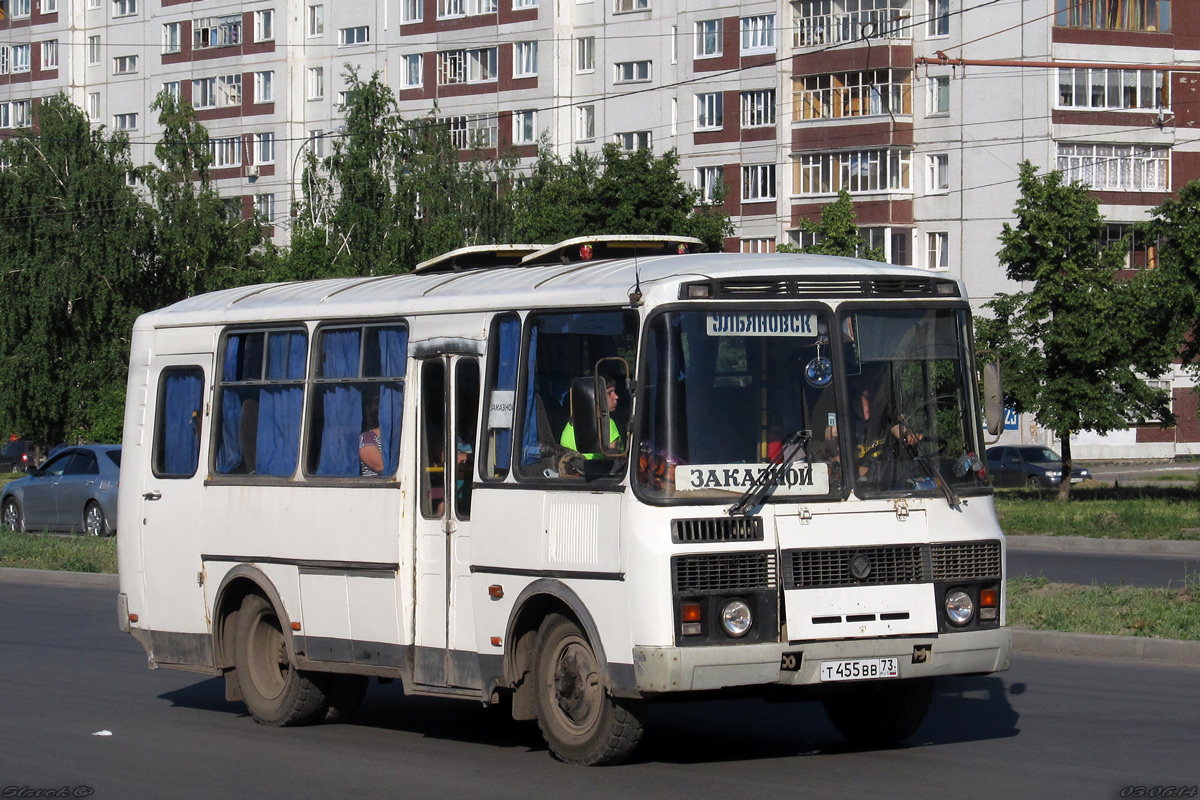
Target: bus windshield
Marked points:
723	391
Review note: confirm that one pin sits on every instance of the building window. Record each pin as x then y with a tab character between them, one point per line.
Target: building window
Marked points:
264	207
223	31
939	96
122	8
938	251
585	54
264	26
517	4
821	23
22	113
264	87
938	16
473	130
525	59
93	50
621	6
758	108
50	54
1141	252
226	152
125	122
475	7
451	8
93	105
171	38
710	183
758	33
20	9
411	11
1116	167
316	20
524	127
466	66
93	4
674	44
1123	15
222	91
1081	87
585	123
122	65
412	70
631	71
759	245
316	83
852	94
856	171
360	34
20	58
174	90
633	140
49	6
709	111
937	180
344	98
758	183
708	38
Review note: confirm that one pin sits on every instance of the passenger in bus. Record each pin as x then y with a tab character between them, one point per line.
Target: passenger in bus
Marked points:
370	446
567	439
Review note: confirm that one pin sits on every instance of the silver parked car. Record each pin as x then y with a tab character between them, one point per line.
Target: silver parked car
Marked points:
73	490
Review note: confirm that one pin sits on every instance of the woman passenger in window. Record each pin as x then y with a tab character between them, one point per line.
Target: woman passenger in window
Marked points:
370	446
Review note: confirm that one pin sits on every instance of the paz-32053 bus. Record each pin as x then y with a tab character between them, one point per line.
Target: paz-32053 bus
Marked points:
575	478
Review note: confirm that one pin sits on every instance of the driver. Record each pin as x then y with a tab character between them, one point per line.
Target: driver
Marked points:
567	439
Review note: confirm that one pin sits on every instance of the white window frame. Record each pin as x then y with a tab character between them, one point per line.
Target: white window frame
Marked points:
937	173
759	183
125	122
710	111
521	4
525	59
124	8
19	58
937	13
225	151
709	38
1111	89
264	25
20	9
354	36
264	86
172	37
469	131
876	171
758	108
221	91
217	31
863	93
316	21
1116	167
49	54
125	65
264	147
758	33
93	50
315	81
585	123
316	140
477	65
264	206
3	59
707	179
411	11
174	89
938	102
22	113
585	54
937	250
93	105
451	9
49	6
93	4
412	71
633	71
631	141
627	6
758	244
524	130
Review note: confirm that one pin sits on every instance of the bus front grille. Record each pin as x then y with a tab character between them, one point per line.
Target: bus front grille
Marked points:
717	529
723	572
956	561
854	566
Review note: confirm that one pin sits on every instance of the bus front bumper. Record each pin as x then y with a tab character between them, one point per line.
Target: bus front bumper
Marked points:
693	669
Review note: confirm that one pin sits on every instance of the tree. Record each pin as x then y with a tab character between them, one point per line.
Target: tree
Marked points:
836	234
78	249
1074	343
1175	225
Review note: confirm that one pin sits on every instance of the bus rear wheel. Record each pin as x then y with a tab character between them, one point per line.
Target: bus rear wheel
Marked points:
276	693
883	713
580	721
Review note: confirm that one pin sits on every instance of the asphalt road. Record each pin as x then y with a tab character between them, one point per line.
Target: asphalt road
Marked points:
1103	568
1050	727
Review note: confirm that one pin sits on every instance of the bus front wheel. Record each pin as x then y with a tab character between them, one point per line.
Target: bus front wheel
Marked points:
883	713
580	721
276	693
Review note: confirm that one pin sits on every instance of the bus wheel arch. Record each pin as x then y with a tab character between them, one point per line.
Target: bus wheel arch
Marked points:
540	600
241	581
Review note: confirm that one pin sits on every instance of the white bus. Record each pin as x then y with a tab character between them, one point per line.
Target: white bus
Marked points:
773	485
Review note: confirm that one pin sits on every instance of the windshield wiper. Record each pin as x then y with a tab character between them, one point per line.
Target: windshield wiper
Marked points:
931	467
791	448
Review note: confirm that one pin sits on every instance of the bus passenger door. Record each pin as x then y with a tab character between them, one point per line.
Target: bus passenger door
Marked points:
445	631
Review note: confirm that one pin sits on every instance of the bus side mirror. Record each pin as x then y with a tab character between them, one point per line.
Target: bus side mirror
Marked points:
585	413
993	398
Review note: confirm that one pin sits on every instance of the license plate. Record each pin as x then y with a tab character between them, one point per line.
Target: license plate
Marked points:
860	669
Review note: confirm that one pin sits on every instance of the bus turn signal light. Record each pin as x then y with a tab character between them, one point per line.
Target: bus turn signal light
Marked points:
495	591
689	614
989	601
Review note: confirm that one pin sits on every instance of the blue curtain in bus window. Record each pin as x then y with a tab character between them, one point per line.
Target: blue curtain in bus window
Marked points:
530	451
393	358
281	407
229	451
341	405
181	432
509	345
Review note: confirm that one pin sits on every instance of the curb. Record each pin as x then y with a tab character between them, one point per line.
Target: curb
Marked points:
1084	544
1172	652
47	577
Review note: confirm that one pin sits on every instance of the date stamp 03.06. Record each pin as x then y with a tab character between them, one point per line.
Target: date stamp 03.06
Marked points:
1161	791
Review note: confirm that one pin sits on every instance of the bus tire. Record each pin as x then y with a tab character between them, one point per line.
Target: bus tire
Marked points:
343	697
275	692
883	713
579	720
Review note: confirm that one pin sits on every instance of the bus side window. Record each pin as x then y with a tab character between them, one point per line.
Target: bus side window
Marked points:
178	415
433	440
466	412
504	357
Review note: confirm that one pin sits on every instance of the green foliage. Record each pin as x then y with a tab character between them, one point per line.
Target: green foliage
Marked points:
1176	226
1108	610
1103	513
48	551
1074	343
837	234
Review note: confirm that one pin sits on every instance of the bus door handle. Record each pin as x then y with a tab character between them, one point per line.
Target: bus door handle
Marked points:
152	496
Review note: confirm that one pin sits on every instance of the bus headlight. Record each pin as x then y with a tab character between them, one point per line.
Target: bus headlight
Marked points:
959	607
736	618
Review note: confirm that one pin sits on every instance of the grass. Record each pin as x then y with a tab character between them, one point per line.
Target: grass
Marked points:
1038	604
66	553
1135	512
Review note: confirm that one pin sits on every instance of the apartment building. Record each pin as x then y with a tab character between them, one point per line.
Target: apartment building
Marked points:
921	109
